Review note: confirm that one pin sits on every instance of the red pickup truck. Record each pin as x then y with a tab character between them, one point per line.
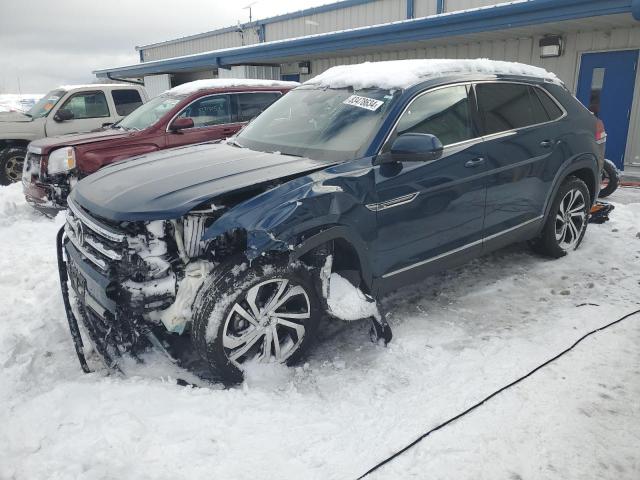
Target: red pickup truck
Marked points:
194	112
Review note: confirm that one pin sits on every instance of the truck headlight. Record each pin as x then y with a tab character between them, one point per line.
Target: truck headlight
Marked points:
61	160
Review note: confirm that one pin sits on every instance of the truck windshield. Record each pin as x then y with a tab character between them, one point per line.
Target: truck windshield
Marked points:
46	103
149	113
320	123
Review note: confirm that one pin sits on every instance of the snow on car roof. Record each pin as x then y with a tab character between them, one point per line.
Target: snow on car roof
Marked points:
191	87
96	85
400	74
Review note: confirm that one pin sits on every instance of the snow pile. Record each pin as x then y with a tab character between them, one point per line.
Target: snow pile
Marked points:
191	87
347	302
400	74
457	337
10	102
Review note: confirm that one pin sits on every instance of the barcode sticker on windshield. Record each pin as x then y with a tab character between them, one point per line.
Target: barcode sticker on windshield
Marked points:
363	102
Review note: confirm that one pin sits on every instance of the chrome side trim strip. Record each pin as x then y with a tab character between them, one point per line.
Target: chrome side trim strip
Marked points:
394	202
464	247
99	229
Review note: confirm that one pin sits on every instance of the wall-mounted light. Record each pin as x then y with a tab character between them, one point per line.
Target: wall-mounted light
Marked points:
551	46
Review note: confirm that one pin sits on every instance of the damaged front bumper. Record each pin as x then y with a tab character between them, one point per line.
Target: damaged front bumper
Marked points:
112	330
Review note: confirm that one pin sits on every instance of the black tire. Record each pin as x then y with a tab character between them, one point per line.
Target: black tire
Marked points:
610	179
571	237
216	319
11	162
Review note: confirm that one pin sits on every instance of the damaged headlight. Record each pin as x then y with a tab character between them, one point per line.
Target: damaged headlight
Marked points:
61	160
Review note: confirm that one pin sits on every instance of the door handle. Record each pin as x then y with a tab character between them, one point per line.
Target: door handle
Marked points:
546	144
476	162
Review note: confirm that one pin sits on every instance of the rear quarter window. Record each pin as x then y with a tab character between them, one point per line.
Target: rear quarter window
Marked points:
550	106
126	101
509	106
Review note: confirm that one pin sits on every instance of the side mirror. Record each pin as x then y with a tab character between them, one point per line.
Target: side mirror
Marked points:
63	115
414	147
181	123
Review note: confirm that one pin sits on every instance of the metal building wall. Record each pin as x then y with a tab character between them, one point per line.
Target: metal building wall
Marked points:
201	44
424	8
373	13
525	50
455	5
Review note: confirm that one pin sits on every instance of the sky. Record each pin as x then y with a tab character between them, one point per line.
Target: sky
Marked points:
46	43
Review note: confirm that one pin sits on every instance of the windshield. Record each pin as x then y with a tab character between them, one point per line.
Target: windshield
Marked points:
323	124
46	103
149	113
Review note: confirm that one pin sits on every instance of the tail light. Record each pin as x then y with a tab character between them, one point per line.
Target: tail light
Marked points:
601	134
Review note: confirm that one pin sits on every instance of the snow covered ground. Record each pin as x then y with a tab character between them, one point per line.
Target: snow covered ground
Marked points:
457	337
10	102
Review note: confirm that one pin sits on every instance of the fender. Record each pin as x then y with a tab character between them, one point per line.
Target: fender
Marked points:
330	203
580	162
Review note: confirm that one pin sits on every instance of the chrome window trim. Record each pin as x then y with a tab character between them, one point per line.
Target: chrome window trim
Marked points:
511	131
481	138
215	95
464	247
99	229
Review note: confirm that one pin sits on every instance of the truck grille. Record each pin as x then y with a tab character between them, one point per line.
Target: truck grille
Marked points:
98	243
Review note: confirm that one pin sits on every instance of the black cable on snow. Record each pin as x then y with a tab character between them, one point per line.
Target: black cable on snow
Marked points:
497	392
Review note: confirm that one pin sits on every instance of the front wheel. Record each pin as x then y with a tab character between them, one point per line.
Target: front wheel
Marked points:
567	220
11	163
264	313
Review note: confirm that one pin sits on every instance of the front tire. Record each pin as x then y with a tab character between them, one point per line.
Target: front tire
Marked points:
567	221
266	312
11	163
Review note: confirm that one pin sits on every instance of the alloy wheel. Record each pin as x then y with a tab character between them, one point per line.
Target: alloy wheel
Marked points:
571	219
267	324
13	168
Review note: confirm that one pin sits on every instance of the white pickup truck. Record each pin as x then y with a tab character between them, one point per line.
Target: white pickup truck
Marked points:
67	109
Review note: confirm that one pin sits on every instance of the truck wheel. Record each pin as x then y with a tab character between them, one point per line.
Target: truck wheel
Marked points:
610	179
266	312
567	221
11	162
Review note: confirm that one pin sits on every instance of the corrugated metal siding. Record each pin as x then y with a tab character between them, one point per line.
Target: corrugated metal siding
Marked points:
199	45
424	8
156	84
455	5
373	13
251	71
524	50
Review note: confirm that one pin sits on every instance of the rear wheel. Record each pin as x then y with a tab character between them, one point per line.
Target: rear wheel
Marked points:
11	163
567	221
610	179
265	313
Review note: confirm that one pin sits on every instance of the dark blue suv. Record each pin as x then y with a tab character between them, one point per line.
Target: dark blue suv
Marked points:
382	173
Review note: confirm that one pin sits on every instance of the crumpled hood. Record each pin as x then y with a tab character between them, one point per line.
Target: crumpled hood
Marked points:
167	184
50	143
14	117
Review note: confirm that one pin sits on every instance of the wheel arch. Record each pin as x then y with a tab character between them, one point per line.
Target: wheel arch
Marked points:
349	251
9	143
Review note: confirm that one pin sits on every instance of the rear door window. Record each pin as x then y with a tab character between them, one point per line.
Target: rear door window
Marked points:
126	101
250	105
87	105
209	111
509	106
444	112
